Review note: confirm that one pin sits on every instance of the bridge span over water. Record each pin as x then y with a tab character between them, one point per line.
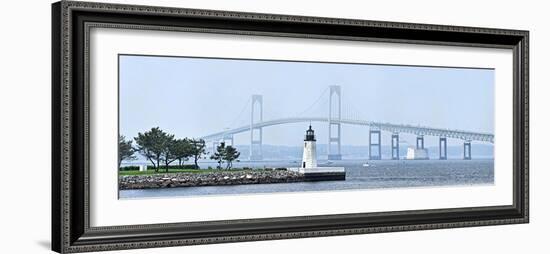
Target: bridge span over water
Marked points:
374	134
335	120
394	128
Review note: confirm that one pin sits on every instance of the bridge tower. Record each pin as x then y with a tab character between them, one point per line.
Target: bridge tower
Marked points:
228	139
375	141
215	144
395	146
442	148
420	142
467	150
256	133
334	126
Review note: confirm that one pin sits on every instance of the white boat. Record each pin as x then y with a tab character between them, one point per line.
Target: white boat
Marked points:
366	164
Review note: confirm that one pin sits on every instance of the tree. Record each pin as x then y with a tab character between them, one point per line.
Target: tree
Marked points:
219	154
198	147
152	144
181	149
169	153
125	150
230	154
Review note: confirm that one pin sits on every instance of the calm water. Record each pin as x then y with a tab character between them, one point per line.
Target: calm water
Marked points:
379	174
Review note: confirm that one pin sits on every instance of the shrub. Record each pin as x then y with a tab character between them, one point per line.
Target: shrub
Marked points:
189	166
129	168
162	167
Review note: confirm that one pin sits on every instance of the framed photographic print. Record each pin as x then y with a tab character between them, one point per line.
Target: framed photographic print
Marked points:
181	126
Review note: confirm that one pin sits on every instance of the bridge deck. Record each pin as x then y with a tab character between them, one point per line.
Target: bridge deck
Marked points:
398	128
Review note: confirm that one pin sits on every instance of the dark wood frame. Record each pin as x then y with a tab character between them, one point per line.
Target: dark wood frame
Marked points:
71	22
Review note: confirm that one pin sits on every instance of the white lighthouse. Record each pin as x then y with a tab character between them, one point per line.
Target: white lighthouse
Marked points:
309	158
309	168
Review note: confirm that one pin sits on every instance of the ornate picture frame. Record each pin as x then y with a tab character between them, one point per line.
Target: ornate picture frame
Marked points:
71	229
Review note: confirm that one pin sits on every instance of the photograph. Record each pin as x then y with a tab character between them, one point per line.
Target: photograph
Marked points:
193	126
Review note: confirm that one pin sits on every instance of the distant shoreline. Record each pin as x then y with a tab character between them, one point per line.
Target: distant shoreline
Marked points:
298	160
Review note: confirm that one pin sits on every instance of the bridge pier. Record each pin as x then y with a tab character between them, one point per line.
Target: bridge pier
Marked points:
467	150
442	148
420	142
375	142
395	146
228	140
256	133
214	146
334	125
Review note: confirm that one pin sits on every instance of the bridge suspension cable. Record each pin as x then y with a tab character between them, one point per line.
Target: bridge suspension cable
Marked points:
315	103
350	111
239	119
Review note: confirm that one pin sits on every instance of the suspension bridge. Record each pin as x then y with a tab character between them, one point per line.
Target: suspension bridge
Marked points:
334	120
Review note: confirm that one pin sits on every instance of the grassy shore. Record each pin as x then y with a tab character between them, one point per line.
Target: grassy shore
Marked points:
194	171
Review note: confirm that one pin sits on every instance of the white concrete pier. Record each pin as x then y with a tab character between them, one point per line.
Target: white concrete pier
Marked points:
417	153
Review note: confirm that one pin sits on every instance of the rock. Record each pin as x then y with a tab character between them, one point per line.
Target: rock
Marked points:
207	179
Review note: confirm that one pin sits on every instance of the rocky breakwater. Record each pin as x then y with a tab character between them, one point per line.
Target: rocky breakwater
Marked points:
171	180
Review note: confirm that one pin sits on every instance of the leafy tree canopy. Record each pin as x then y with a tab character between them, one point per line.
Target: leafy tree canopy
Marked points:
125	150
198	149
230	155
152	144
219	154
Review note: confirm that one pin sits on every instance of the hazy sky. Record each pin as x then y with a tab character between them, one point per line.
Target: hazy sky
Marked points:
193	97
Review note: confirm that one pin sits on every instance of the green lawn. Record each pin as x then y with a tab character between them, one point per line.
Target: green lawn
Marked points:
194	171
